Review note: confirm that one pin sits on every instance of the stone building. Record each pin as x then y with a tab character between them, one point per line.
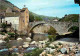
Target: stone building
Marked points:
24	20
18	18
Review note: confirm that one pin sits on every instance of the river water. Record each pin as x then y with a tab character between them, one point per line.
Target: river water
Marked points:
36	37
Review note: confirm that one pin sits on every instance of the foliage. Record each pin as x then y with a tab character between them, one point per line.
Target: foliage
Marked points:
31	17
52	34
8	45
59	43
71	18
2	33
74	28
7	40
38	18
56	46
3	25
4	4
10	33
52	31
35	52
51	47
14	54
52	37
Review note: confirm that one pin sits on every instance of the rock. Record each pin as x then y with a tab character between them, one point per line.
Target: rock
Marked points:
51	45
25	45
13	47
10	49
8	29
49	55
28	39
43	54
33	42
77	54
52	50
19	39
2	37
1	29
1	41
61	55
63	50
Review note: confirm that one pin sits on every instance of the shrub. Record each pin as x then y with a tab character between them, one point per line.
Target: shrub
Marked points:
52	37
56	46
11	33
59	43
2	33
3	25
52	31
35	52
7	40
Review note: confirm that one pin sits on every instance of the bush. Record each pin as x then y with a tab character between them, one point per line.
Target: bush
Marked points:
3	25
59	43
6	39
35	52
52	31
51	47
56	46
11	33
14	54
2	33
52	37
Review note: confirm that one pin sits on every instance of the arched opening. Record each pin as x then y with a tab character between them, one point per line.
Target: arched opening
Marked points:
73	29
41	31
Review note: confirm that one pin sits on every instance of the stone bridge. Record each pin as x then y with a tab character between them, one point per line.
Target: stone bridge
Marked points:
60	27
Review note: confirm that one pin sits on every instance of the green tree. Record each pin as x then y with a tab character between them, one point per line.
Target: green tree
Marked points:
38	18
52	34
52	31
31	17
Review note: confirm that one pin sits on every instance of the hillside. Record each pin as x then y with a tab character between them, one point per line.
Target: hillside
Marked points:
36	17
70	17
4	4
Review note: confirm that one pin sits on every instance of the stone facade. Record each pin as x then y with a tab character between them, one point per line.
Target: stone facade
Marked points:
24	20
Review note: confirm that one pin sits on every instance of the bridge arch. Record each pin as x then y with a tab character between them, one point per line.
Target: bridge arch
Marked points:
42	24
73	25
73	28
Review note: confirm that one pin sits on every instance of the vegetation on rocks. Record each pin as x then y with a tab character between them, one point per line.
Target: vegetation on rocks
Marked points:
52	34
35	52
70	18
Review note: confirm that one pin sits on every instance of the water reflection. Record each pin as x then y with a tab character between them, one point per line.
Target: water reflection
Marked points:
40	37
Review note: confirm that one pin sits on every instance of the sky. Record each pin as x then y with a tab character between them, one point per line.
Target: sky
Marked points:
55	8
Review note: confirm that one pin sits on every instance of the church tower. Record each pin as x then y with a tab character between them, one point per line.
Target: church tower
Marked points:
24	20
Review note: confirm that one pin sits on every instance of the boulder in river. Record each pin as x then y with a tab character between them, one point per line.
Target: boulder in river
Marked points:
63	50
